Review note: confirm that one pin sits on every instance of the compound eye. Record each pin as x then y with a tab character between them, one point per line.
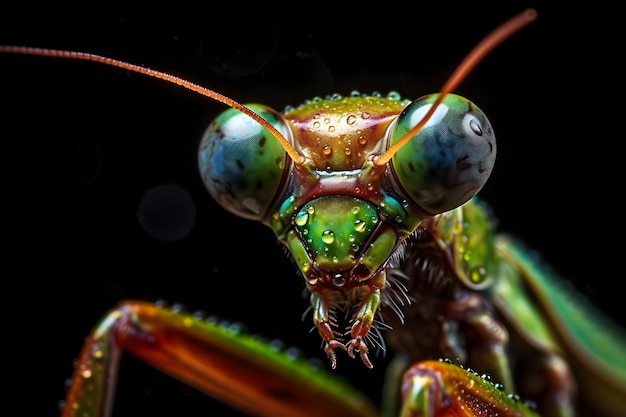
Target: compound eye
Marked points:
450	159
241	163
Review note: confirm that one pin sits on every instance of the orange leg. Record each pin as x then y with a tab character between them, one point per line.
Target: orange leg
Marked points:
236	369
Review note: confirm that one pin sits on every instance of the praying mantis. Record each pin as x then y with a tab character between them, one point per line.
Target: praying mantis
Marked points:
247	225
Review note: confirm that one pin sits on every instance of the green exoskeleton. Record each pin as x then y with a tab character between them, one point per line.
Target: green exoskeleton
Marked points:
374	198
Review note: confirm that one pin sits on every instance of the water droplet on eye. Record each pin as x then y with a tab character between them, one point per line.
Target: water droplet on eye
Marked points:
365	115
327	149
310	210
331	128
328	236
316	125
316	116
362	140
326	121
348	151
301	218
475	126
351	119
355	209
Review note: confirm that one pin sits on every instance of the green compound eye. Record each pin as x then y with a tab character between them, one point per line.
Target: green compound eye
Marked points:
450	159
241	163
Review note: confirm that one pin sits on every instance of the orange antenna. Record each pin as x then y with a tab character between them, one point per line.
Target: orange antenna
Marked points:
492	40
297	158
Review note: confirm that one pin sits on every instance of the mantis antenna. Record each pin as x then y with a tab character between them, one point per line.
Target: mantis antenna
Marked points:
492	40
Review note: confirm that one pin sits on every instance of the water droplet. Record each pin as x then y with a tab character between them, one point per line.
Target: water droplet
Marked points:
393	95
475	126
348	151
331	128
327	150
310	210
234	328
355	209
301	218
339	280
328	236
351	119
326	121
365	115
362	140
359	225
96	352
316	116
316	125
293	353
478	274
86	373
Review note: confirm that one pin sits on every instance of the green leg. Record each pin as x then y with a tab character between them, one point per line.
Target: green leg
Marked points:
438	389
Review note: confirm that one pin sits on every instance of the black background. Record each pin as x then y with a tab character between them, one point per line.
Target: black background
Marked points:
82	143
